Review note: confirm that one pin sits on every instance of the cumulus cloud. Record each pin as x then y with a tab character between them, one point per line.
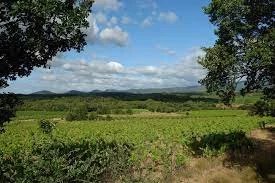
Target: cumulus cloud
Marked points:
113	5
149	4
113	21
166	51
115	67
49	77
168	17
93	29
114	35
126	20
148	21
101	18
88	75
103	74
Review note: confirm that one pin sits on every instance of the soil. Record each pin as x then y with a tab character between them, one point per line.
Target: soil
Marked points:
256	166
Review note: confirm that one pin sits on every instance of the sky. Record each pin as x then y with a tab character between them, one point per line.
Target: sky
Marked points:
131	44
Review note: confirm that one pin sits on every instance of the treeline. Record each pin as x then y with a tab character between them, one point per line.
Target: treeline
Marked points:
119	103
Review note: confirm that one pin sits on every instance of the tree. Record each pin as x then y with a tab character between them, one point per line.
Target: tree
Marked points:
8	103
32	32
244	50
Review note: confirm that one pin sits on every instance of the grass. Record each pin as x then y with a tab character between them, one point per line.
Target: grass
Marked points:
159	139
139	131
28	115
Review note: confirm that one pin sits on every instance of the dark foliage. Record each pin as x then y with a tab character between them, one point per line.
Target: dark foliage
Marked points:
8	104
46	126
57	162
244	49
33	32
77	114
119	103
263	108
215	142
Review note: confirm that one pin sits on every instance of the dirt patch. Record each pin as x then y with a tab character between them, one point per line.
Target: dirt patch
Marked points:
264	156
258	166
213	170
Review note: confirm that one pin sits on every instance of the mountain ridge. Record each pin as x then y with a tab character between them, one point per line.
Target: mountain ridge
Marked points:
134	91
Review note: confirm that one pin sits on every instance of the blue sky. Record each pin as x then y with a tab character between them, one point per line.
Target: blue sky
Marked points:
131	44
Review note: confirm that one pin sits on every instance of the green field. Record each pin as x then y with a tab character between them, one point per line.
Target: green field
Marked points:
161	137
160	141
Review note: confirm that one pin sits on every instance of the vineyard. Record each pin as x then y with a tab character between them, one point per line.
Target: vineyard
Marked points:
141	146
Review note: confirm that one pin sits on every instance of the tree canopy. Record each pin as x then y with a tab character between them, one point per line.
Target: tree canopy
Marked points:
244	50
32	32
8	103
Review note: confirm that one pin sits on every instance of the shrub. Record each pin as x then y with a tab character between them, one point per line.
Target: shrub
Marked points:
108	118
93	116
129	112
103	110
77	162
272	108
215	143
46	126
260	108
8	104
263	108
77	114
118	111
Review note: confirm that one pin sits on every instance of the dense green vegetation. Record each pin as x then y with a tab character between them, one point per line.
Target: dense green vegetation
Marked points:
132	146
244	49
120	103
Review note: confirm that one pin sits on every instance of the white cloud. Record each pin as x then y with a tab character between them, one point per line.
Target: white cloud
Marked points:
88	75
114	35
148	21
151	4
113	21
109	35
93	30
126	20
168	17
101	18
113	5
148	70
115	66
49	77
166	51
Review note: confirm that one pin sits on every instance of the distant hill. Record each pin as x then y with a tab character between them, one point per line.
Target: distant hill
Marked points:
134	91
75	92
188	89
167	90
43	92
96	91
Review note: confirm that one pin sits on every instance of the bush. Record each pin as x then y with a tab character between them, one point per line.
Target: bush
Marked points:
263	108
109	118
93	116
129	112
56	161
103	110
260	108
46	126
77	114
215	143
118	111
8	104
272	108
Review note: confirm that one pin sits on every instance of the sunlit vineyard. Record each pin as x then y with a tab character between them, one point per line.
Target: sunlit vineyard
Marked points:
162	138
123	137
